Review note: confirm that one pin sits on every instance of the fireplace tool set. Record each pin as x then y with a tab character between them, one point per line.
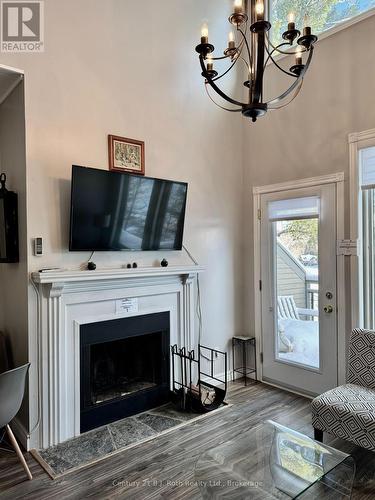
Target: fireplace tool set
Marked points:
209	391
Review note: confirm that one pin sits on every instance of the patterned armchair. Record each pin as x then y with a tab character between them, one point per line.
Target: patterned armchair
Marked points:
348	411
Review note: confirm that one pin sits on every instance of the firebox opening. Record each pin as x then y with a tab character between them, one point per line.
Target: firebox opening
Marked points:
124	368
117	369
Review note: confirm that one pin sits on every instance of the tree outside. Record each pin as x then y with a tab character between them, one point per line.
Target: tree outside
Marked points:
300	237
322	14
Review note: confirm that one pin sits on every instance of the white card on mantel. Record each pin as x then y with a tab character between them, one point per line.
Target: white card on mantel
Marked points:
128	305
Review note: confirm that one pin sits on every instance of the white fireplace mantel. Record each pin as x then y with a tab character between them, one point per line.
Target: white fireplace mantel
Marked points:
65	279
69	299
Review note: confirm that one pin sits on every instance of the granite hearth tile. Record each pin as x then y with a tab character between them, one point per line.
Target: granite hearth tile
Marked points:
99	443
80	450
129	430
158	423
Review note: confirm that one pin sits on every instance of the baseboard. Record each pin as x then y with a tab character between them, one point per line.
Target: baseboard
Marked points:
288	389
21	433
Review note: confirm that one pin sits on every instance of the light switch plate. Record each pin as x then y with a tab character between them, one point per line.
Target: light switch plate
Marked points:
38	247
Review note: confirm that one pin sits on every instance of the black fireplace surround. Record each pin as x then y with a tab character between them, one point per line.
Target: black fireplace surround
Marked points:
124	368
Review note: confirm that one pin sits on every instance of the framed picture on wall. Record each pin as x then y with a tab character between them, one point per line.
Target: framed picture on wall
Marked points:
126	155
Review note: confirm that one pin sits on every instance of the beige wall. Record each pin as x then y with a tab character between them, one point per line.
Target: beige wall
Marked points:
310	136
129	68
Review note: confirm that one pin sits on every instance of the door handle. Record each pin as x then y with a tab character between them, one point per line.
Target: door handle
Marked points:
328	309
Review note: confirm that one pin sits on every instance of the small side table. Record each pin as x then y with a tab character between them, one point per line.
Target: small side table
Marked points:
244	342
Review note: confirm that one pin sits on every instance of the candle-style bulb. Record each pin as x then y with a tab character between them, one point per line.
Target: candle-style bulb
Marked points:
204	33
231	42
306	25
210	62
259	8
291	21
238	9
299	56
204	30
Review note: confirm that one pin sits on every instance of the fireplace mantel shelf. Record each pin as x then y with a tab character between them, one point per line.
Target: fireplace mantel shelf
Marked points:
70	276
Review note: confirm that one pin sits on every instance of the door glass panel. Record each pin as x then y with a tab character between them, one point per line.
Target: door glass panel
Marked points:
297	291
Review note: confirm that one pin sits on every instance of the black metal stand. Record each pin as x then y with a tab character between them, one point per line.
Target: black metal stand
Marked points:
186	367
244	370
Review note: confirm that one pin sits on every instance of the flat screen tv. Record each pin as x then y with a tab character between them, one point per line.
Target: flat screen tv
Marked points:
120	211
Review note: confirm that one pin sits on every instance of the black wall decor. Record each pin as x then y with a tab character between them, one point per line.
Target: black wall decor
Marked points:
9	251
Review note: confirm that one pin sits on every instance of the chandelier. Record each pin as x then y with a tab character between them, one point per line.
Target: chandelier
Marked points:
252	46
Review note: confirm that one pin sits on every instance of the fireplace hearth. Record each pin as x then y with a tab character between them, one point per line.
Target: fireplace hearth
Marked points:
124	368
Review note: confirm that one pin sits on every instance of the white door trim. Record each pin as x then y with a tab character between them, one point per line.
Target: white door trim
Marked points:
338	179
300	183
357	141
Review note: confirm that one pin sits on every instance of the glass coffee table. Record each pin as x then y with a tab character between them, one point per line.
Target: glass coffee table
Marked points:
272	461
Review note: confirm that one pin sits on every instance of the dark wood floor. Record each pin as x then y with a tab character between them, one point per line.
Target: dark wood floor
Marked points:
147	471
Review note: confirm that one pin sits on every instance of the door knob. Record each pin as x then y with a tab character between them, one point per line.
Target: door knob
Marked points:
328	309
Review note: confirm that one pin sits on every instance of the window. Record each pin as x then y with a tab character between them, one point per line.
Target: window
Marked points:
367	235
321	14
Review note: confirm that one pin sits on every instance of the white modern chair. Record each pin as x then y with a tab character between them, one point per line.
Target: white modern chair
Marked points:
12	388
287	309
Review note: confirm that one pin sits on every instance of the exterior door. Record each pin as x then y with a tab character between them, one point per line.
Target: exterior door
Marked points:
298	276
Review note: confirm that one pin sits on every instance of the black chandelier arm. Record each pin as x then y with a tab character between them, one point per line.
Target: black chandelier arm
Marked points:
284	52
272	51
215	87
278	66
246	64
227	70
219	58
295	83
219	105
239	49
238	56
245	41
290	100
